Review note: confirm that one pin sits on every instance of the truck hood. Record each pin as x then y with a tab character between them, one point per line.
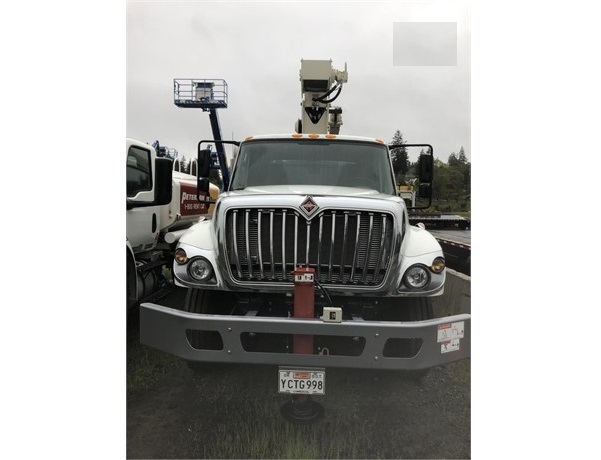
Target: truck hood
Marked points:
314	190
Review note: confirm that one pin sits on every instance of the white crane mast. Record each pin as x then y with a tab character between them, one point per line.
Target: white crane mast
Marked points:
320	86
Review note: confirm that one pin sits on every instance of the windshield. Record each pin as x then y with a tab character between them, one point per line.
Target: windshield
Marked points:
313	162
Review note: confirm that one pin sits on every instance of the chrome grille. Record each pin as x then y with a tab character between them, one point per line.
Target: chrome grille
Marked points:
344	247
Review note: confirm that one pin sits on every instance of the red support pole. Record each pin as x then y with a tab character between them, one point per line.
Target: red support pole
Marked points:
302	409
304	306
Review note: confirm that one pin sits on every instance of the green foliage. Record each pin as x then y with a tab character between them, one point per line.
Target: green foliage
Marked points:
400	159
184	165
215	178
451	187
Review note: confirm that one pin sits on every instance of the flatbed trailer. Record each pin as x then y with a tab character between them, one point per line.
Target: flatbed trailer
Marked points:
456	245
440	221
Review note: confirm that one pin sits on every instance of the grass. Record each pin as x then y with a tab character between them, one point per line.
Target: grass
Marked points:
368	415
234	412
147	366
277	438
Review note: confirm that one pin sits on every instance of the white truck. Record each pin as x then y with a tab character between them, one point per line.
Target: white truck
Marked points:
310	261
161	204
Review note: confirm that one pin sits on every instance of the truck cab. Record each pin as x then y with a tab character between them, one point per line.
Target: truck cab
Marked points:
161	203
148	188
328	202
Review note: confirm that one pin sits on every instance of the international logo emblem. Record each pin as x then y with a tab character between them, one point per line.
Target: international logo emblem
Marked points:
309	207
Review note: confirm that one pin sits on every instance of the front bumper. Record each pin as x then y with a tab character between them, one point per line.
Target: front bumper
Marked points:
445	340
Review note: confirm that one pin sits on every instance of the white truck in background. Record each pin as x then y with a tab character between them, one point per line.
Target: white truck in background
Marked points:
161	204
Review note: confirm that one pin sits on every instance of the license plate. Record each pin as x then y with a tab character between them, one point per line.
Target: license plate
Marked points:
302	381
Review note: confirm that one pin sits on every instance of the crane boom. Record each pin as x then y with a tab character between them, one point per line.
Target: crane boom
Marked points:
320	86
208	95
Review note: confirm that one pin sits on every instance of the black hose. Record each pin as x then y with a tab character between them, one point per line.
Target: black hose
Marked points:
327	101
325	293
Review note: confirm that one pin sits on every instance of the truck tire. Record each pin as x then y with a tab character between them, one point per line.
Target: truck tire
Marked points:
132	307
131	283
197	301
409	309
420	309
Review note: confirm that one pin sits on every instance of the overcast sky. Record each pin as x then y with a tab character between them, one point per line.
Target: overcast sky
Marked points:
535	93
256	47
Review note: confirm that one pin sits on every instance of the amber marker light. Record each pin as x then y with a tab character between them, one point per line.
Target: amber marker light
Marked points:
297	135
249	138
438	265
380	141
313	136
180	256
330	136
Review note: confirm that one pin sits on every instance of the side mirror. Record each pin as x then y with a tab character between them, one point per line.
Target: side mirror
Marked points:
424	191
426	168
202	184
416	170
204	167
162	186
204	162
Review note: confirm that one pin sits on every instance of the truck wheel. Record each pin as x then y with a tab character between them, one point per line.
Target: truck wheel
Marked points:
198	301
131	283
409	309
132	307
420	309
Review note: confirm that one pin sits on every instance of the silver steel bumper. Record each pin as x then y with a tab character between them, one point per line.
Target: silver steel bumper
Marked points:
165	328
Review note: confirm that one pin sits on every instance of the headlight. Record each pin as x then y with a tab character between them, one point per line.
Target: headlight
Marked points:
417	277
200	269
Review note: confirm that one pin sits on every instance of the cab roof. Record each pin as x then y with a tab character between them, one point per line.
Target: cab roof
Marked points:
315	136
